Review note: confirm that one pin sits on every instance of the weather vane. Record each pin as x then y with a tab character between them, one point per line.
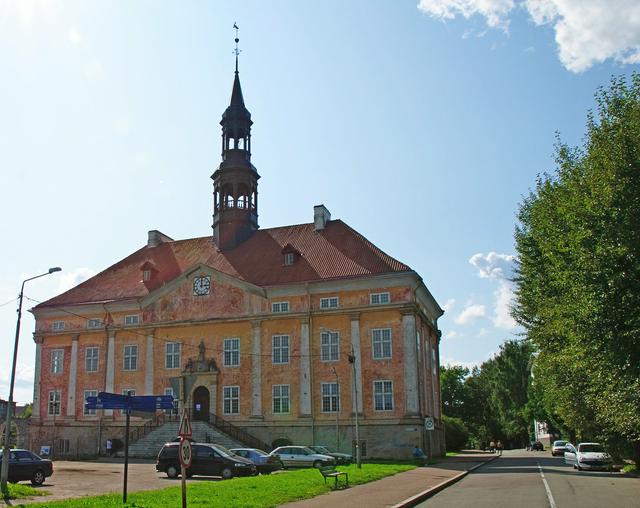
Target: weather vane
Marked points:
236	51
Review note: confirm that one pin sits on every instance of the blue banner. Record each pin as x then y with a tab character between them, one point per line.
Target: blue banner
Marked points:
148	403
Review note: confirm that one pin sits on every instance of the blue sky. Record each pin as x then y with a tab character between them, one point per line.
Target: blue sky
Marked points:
422	126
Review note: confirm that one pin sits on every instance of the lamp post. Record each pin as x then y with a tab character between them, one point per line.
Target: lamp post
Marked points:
352	361
337	411
4	473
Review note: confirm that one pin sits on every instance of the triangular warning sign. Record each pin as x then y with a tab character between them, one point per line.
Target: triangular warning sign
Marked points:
185	425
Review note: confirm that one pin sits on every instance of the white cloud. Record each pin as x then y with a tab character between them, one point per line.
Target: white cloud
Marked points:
448	305
93	71
69	280
504	301
482	332
452	334
495	11
470	314
493	265
74	37
587	32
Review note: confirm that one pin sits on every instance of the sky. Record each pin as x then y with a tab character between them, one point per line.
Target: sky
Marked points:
422	124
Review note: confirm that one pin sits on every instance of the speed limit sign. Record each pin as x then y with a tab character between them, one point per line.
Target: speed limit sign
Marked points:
185	452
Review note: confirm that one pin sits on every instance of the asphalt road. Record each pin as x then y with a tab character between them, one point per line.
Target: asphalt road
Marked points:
524	479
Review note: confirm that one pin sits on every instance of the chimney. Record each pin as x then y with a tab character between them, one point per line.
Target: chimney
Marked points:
320	217
156	238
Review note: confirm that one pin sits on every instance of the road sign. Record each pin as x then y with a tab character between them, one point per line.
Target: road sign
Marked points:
185	425
185	452
428	423
148	403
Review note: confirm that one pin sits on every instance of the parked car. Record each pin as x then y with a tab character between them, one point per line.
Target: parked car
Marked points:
25	465
588	456
301	456
206	460
536	446
558	448
264	462
341	458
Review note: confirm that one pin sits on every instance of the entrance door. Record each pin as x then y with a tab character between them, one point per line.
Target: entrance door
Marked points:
201	403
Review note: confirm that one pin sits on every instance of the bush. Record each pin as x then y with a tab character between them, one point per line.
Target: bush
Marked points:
456	433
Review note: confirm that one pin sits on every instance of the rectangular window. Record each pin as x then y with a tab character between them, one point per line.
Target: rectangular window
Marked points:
329	346
381	343
231	352
280	349
57	359
280	307
130	357
94	323
383	395
174	411
329	303
128	391
434	367
231	400
89	393
330	397
289	259
58	326
53	408
363	448
91	355
132	320
379	298
172	355
280	399
146	275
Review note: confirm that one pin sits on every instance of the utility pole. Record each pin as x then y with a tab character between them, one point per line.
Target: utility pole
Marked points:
352	361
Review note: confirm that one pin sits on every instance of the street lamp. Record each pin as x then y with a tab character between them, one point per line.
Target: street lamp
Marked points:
4	473
352	361
337	411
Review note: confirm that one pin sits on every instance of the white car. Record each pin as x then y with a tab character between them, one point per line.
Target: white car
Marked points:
587	456
301	456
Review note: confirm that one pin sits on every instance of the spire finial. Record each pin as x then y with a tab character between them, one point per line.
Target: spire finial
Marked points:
236	51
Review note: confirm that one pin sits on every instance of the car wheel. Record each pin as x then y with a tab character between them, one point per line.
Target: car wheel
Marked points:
172	472
317	464
226	473
37	478
578	468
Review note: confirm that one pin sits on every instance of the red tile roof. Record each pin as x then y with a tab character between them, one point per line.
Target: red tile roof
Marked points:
336	252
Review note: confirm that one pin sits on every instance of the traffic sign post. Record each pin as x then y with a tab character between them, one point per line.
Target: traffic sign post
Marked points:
429	426
185	452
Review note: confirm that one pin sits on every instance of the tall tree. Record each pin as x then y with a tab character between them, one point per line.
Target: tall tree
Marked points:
578	274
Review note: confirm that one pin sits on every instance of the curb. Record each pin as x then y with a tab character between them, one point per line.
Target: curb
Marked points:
426	494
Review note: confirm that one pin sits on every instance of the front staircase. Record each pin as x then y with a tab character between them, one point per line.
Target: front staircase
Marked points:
202	432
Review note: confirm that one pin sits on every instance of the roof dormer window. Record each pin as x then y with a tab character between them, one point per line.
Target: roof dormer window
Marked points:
148	270
290	255
289	258
146	275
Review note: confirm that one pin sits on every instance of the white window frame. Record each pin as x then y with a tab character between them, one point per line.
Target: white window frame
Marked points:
279	307
125	391
174	410
54	403
130	352
280	352
383	392
231	400
231	352
89	393
378	338
57	361
93	323
146	275
89	360
289	258
379	298
132	320
330	396
280	399
57	326
329	302
172	357
329	346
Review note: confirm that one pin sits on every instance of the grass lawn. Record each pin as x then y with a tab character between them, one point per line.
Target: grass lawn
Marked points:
20	491
251	492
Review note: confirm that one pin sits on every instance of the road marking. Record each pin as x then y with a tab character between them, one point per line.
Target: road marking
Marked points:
552	503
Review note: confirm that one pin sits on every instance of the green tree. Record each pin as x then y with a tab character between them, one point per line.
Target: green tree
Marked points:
452	389
578	274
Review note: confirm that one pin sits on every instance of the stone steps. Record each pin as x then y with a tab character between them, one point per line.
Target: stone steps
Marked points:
202	432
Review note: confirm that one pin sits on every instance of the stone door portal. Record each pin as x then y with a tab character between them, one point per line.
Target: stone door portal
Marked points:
201	403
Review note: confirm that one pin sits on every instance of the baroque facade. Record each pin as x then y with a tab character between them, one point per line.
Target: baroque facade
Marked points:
284	332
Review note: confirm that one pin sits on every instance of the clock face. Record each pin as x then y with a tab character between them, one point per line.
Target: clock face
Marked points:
202	286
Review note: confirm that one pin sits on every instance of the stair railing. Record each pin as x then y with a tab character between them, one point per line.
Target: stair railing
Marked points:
154	422
237	433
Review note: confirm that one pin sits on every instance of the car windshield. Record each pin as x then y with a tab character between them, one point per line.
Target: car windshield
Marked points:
586	448
222	451
320	449
559	443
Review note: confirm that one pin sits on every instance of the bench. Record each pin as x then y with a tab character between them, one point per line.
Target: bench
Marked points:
330	472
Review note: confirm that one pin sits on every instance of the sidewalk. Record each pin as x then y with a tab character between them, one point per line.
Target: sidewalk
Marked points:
401	490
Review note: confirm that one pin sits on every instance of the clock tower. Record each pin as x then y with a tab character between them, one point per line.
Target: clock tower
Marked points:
235	182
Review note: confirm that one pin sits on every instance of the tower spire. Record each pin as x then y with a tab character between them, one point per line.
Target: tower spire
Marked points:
236	51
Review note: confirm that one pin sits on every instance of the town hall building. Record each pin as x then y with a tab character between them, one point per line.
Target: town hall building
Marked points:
285	333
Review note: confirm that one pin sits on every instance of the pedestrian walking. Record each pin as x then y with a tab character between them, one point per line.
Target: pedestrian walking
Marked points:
492	446
419	456
499	446
109	447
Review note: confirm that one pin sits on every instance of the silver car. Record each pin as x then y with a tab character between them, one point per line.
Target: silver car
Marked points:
588	456
301	456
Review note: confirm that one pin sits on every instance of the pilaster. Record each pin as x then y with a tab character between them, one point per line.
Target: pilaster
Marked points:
73	374
305	368
111	367
149	364
355	348
410	360
256	367
39	340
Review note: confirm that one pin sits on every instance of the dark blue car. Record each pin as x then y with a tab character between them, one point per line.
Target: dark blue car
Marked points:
25	465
